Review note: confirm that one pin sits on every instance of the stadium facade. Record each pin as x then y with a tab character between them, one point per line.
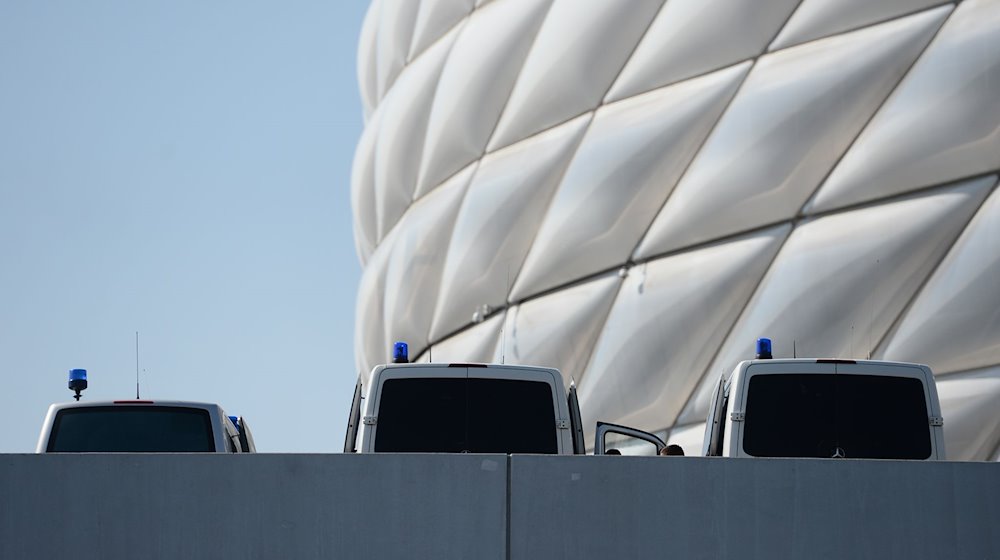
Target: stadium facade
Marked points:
633	192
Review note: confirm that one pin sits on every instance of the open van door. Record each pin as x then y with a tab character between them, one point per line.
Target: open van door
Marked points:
576	421
353	420
625	440
246	438
715	427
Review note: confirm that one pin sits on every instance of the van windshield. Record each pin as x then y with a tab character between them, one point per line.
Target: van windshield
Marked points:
846	415
132	429
462	415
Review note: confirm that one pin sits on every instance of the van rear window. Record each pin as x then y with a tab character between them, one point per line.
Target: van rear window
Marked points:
847	415
132	429
460	415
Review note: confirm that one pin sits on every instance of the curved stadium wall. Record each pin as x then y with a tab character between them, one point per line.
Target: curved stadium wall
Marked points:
633	192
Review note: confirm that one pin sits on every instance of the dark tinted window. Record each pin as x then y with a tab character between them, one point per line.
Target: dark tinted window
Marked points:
858	416
455	415
421	415
132	428
508	416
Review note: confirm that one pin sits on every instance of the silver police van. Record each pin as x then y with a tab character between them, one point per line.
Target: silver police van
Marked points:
472	408
808	407
141	426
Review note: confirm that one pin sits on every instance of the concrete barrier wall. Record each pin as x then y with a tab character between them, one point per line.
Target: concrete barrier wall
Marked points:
252	506
700	507
456	506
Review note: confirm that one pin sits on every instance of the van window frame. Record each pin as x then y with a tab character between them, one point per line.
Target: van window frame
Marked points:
382	374
210	416
829	367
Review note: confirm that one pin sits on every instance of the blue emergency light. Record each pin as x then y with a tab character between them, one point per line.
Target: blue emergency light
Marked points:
400	353
77	381
763	348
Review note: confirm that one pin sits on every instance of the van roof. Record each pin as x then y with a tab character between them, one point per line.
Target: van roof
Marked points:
134	402
833	361
366	378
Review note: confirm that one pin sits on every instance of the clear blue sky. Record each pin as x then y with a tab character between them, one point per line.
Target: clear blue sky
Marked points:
181	169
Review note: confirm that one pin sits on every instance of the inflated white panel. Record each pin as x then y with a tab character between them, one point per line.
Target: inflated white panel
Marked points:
392	40
367	81
841	281
497	221
814	19
666	324
869	131
474	86
558	330
404	119
932	330
690	438
363	189
370	347
434	19
941	124
969	405
414	268
628	163
475	344
781	136
579	51
691	37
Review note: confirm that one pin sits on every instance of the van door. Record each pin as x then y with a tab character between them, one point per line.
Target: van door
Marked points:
515	410
715	424
576	422
246	438
353	419
625	440
884	411
418	409
784	410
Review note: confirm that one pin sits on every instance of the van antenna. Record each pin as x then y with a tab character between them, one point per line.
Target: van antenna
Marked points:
503	341
136	365
503	334
871	309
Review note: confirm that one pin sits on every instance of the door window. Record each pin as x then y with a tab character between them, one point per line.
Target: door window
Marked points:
612	439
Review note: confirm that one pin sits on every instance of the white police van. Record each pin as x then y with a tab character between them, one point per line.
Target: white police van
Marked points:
471	408
141	426
803	407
